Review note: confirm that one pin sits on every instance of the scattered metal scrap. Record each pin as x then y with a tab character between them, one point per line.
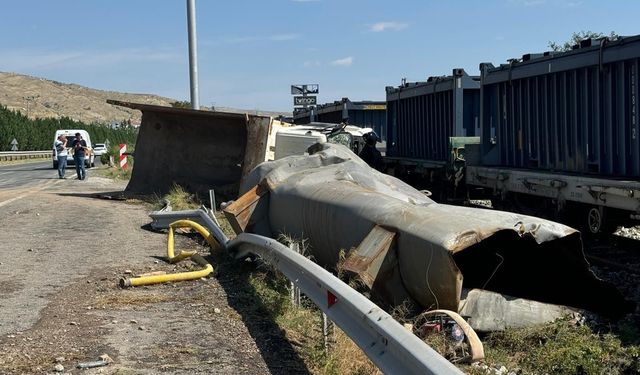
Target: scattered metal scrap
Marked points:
406	245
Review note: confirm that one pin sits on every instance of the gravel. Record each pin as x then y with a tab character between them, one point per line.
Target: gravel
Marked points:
633	232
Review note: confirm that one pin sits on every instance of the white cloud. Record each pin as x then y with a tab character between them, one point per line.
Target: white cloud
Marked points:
313	63
25	59
347	61
388	25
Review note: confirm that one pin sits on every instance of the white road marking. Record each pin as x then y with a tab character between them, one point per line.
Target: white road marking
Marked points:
35	190
4	203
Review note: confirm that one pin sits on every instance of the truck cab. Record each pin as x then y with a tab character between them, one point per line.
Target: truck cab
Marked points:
295	140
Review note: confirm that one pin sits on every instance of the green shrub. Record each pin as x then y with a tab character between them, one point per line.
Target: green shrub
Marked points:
38	134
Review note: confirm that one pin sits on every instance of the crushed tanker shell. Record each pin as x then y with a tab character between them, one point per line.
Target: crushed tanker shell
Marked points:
404	245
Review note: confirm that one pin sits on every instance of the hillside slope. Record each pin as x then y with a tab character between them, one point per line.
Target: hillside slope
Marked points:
39	97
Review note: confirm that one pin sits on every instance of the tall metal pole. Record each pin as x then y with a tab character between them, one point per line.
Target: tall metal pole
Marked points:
193	53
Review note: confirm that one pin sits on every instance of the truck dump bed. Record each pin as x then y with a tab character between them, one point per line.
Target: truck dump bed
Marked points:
199	150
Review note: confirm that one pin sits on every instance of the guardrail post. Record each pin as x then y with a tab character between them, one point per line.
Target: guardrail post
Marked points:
295	291
327	329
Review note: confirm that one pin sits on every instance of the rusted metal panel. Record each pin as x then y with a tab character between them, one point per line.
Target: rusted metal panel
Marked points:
375	262
239	213
333	199
368	257
199	150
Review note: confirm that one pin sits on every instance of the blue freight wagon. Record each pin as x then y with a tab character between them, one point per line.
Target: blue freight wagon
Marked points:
560	130
428	125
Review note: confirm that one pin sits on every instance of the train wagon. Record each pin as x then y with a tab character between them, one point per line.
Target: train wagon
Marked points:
366	114
559	132
428	125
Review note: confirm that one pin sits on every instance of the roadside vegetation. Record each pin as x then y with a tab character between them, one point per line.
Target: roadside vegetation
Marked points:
566	346
562	347
179	199
37	135
111	161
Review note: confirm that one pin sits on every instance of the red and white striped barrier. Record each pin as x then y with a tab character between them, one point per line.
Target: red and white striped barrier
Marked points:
123	157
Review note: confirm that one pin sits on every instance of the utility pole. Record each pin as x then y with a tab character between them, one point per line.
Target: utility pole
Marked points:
28	100
193	53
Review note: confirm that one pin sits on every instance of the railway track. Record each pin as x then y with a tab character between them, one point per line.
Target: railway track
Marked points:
616	259
614	251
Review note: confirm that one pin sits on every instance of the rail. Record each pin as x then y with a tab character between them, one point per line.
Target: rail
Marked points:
394	349
17	155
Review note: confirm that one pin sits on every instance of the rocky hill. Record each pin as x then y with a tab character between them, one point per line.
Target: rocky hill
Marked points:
39	97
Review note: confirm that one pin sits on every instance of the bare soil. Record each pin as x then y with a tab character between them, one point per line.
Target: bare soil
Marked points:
62	254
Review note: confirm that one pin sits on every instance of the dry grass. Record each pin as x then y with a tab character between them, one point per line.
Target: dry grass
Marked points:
224	225
345	357
115	173
303	327
179	198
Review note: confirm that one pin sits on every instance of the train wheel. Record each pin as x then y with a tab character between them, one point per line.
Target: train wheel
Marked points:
598	220
595	219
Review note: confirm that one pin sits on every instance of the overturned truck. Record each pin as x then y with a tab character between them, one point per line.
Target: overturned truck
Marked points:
199	150
404	245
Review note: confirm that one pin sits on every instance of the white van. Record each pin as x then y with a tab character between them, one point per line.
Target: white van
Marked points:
71	136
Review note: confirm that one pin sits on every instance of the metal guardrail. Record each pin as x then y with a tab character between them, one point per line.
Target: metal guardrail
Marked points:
17	155
388	344
162	219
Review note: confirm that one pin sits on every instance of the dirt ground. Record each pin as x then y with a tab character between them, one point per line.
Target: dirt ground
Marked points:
62	253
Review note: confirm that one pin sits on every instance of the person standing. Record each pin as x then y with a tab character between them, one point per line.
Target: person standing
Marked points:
79	150
60	145
370	153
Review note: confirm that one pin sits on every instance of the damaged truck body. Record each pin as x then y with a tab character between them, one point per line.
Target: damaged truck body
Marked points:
403	245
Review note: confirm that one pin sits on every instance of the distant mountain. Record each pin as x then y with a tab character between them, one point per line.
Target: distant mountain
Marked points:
39	97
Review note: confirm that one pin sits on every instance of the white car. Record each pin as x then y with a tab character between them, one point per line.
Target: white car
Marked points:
99	149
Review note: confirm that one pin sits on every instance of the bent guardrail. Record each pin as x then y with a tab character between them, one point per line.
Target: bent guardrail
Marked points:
390	346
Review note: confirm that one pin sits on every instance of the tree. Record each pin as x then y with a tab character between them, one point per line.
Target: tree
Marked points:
181	104
577	37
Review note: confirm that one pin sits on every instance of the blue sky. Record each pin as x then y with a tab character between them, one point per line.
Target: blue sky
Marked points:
251	51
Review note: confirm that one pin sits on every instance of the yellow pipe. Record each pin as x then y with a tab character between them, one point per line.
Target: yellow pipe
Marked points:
182	276
172	258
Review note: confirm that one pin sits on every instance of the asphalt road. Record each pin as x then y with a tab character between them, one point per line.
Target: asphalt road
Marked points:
62	253
34	175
